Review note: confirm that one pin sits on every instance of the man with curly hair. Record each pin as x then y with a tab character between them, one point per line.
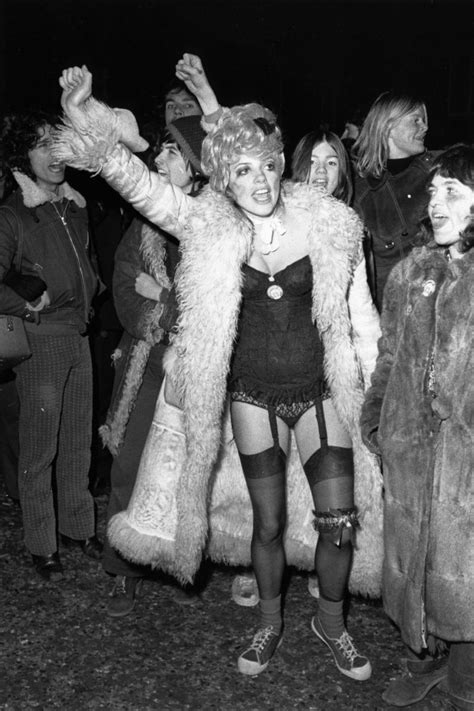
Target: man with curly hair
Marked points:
44	232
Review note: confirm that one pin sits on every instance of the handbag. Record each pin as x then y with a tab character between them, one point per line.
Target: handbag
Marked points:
14	346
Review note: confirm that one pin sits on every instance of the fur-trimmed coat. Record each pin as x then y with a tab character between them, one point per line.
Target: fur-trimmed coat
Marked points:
216	241
420	411
143	248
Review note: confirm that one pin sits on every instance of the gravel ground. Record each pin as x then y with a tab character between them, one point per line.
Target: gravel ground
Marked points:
60	650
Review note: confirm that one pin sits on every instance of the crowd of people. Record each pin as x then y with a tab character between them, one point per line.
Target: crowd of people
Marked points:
325	320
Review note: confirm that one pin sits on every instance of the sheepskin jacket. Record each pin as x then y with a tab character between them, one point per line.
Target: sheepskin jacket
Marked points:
421	405
55	247
215	242
143	248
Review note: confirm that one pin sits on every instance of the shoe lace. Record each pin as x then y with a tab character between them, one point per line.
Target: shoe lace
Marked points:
261	639
346	645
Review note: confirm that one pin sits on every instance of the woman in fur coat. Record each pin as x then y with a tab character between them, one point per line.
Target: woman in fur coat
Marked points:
275	308
145	264
419	414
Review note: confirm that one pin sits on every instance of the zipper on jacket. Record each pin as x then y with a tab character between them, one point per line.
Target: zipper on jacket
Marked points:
83	282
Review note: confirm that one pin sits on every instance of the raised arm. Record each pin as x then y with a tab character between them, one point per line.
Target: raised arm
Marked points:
99	139
190	70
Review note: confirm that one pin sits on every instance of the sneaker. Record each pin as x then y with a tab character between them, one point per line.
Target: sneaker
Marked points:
313	586
347	658
123	596
255	659
245	590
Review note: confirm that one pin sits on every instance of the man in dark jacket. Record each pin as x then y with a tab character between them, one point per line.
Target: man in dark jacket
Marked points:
43	229
390	188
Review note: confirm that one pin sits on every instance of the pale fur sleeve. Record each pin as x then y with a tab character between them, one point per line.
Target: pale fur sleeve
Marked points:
365	322
151	194
93	143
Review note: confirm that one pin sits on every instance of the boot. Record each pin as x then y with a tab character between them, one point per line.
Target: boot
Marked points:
419	678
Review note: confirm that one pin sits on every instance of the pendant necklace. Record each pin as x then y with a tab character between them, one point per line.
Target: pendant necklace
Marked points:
269	232
63	216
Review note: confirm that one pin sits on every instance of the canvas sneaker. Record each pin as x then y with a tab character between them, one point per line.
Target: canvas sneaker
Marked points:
255	659
347	658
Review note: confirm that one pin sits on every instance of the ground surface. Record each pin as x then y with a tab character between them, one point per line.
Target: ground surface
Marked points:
59	649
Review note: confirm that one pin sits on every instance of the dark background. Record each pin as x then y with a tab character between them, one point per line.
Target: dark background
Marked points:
310	61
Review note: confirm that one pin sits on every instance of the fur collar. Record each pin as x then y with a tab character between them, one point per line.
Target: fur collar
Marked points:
34	195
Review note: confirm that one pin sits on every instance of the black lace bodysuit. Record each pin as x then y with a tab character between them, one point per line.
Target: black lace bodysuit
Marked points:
278	357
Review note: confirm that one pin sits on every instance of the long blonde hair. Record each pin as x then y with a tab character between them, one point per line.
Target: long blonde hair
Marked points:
371	147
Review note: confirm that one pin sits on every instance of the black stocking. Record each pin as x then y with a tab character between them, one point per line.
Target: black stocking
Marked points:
265	476
331	478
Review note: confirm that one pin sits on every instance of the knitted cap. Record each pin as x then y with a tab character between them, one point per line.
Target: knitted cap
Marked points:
189	135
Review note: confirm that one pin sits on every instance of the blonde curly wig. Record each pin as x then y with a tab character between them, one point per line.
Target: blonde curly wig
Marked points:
250	128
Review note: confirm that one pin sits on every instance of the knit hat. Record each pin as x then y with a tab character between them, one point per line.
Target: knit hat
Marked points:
189	135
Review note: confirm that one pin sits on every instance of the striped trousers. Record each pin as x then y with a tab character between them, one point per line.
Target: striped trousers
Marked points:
55	392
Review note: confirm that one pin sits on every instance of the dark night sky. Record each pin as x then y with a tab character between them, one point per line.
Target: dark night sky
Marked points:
310	61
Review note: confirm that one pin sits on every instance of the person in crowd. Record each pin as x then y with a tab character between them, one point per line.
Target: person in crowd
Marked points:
9	404
391	166
418	415
352	129
179	102
54	386
290	347
108	220
145	263
319	159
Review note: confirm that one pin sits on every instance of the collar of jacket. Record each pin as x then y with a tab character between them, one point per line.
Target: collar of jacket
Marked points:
34	195
432	254
421	163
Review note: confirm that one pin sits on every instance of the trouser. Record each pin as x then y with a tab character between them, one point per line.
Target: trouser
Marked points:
461	674
55	392
9	415
126	464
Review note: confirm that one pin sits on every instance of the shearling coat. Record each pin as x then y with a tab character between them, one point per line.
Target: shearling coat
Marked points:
215	242
421	407
143	248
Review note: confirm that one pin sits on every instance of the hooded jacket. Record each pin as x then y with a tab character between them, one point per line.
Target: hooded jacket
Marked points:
421	406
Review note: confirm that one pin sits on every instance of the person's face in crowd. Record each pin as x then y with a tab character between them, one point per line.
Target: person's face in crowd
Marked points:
180	103
255	184
171	163
449	208
324	168
49	174
407	135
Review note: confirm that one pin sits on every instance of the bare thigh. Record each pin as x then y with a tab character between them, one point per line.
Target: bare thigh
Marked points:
307	431
252	431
